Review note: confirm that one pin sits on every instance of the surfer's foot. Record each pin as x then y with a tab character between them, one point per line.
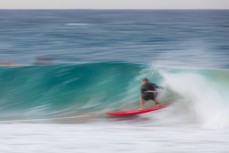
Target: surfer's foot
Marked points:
157	105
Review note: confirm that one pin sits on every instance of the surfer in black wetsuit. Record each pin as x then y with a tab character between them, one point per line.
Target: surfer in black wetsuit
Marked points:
148	92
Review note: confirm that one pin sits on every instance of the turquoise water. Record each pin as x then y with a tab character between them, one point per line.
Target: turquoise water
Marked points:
71	90
82	87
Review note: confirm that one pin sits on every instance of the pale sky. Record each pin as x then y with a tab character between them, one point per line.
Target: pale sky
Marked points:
114	4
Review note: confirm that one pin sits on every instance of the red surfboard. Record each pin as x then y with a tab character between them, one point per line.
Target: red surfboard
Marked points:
134	112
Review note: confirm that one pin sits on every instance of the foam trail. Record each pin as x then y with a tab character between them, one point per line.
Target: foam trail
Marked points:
209	99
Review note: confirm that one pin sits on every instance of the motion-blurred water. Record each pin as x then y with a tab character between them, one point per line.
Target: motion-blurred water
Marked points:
62	70
180	38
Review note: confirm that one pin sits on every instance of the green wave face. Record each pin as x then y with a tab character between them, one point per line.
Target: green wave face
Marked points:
50	91
67	88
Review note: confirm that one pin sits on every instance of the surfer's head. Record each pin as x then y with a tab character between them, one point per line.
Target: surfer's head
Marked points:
145	80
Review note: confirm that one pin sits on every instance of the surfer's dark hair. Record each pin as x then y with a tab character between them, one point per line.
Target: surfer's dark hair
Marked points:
145	80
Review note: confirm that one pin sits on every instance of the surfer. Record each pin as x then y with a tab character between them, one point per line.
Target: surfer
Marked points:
148	92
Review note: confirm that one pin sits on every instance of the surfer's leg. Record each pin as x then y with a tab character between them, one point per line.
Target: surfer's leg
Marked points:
157	104
141	102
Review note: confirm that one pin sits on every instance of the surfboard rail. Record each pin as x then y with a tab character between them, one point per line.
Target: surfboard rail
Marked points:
134	112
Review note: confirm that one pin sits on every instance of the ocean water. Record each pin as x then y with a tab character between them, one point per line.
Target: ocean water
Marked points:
62	70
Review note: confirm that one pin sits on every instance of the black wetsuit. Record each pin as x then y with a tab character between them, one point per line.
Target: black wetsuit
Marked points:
149	87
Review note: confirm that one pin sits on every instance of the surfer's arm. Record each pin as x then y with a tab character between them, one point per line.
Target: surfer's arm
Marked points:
156	86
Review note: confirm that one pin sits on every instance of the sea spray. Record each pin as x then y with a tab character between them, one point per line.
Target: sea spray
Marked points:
203	91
